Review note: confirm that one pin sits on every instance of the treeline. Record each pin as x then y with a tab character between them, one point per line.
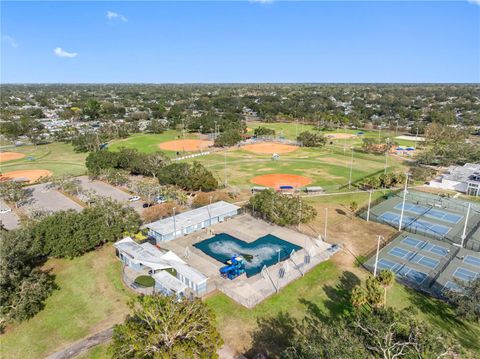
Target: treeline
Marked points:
280	209
23	285
193	177
385	180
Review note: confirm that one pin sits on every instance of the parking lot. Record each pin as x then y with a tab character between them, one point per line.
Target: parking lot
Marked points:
106	190
45	199
9	220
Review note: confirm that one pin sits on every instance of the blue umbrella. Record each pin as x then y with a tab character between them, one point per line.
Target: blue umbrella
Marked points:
399	148
410	149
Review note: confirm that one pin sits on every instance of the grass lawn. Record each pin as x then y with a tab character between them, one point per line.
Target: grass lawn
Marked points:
148	143
91	298
98	352
328	167
58	157
325	287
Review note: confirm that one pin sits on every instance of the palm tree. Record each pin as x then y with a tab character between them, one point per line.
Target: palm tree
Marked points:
385	278
358	296
374	292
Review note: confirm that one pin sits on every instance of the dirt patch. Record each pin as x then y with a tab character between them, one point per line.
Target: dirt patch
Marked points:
185	145
269	148
10	156
276	180
340	136
31	175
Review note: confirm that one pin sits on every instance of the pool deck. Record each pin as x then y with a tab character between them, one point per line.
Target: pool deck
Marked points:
250	291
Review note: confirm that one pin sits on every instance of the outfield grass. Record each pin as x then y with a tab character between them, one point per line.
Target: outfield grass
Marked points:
148	143
327	167
57	157
91	297
325	287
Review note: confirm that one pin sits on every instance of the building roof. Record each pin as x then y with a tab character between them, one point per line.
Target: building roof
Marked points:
152	257
186	219
469	172
169	281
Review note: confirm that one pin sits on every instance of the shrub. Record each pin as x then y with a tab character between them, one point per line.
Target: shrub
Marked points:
310	139
157	212
203	198
228	138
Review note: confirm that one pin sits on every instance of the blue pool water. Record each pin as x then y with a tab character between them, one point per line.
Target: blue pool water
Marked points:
262	252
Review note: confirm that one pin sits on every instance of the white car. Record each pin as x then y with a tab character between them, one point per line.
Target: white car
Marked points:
160	199
5	210
134	198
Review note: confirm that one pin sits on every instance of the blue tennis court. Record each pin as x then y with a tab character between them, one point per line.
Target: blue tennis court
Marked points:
412	274
430	212
433	248
401	253
425	261
464	274
452	286
415	224
386	264
425	246
472	260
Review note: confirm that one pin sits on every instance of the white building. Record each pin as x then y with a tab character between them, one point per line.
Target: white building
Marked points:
465	179
188	222
171	274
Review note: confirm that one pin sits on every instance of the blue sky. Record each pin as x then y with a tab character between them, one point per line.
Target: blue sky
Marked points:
164	42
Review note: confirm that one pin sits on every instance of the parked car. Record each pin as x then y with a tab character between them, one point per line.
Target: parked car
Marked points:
134	198
146	205
160	199
5	210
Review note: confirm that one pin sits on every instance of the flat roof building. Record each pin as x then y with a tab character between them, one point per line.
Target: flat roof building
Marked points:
188	222
465	179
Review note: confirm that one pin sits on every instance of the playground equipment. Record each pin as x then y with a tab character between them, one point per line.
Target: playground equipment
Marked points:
235	267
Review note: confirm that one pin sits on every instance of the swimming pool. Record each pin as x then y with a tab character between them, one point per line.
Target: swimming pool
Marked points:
262	252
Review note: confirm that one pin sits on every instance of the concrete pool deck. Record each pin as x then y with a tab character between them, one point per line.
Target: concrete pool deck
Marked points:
250	291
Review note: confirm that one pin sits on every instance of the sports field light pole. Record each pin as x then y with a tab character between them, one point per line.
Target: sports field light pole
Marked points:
209	211
351	170
326	217
174	224
376	256
225	168
403	202
369	202
464	234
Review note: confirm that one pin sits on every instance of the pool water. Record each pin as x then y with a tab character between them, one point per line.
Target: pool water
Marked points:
262	252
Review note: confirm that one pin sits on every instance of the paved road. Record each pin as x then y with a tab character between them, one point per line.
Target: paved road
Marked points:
9	220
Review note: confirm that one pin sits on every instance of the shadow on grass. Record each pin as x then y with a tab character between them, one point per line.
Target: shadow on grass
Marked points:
273	335
338	297
442	315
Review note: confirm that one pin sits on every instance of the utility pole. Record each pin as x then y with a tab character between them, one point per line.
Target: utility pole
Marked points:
174	224
225	169
416	138
326	217
369	202
403	202
376	256
464	234
351	169
386	156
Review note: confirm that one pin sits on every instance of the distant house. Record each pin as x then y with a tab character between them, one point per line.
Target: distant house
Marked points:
188	222
465	179
171	274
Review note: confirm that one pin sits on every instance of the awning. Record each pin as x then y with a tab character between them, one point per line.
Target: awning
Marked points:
169	282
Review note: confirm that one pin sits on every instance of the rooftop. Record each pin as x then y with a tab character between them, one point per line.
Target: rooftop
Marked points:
467	173
191	218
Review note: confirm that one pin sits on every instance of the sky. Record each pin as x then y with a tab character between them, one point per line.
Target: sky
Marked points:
240	42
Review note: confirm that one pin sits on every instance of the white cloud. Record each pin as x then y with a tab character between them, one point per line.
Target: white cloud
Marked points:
62	53
476	2
9	40
112	15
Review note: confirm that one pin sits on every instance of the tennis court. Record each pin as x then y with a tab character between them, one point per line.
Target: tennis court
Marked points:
402	271
464	274
426	246
413	223
472	260
430	212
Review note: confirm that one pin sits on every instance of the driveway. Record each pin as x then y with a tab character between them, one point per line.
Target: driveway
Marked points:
106	190
9	220
50	200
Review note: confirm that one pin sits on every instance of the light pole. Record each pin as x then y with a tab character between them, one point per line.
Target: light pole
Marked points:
386	156
416	138
403	202
225	168
351	169
209	211
376	256
465	226
369	202
326	217
174	224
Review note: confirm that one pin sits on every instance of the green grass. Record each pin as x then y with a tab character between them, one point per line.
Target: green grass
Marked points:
325	287
98	352
57	157
91	298
148	143
145	281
